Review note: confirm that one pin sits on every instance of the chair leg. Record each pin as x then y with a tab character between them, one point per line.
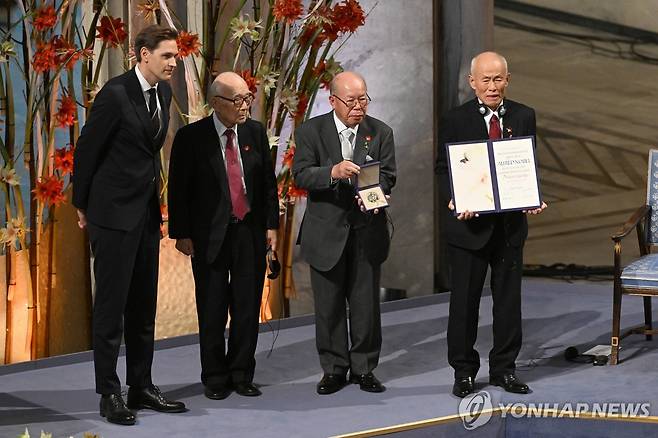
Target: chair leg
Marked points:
616	316
648	324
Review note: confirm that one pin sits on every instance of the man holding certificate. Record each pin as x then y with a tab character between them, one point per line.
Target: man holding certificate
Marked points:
474	171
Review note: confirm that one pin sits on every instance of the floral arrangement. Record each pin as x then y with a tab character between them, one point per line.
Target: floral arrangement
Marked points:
43	434
50	70
49	73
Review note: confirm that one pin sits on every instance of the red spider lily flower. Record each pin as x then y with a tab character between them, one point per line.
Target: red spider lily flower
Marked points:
251	81
325	77
296	192
68	112
111	31
49	190
44	18
64	160
309	32
287	10
346	16
67	53
301	107
289	156
188	44
44	57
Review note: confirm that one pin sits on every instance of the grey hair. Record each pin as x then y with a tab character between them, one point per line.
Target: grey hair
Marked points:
214	90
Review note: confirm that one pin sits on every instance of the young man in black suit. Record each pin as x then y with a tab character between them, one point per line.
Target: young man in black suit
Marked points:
476	242
223	212
344	245
115	189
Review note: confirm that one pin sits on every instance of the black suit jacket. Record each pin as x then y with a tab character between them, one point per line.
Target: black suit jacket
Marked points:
199	197
116	161
465	123
331	209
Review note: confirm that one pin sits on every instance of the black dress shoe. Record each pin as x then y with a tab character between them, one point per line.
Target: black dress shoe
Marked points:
331	383
510	383
151	398
217	392
114	409
367	382
247	389
463	386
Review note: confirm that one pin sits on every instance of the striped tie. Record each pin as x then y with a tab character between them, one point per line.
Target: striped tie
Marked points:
153	112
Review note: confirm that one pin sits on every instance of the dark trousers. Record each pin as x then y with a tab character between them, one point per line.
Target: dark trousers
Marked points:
469	269
355	280
126	276
233	284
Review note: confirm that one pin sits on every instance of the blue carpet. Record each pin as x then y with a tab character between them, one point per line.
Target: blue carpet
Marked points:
61	400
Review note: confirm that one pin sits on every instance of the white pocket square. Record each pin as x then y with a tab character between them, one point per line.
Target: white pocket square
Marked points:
368	158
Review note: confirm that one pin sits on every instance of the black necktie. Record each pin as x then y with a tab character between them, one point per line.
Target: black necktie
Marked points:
153	111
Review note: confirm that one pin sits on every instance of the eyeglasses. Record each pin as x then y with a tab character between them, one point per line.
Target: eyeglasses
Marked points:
351	103
238	101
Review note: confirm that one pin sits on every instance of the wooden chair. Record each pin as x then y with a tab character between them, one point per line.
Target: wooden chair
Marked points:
641	276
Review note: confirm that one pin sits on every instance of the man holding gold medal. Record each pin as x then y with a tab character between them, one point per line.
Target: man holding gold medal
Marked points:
345	159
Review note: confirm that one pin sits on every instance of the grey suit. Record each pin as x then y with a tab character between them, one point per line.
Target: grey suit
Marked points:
344	246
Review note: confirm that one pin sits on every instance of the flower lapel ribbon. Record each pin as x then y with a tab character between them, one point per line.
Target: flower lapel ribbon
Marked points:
366	144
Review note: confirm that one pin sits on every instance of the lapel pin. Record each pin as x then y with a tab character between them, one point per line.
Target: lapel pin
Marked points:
368	138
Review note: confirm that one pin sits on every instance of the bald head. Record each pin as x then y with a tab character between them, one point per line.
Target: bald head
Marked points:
489	78
349	97
487	58
347	80
227	89
224	81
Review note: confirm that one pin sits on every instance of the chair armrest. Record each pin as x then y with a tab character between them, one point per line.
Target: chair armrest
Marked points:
631	223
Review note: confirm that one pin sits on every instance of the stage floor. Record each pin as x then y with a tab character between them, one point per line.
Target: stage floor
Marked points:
60	399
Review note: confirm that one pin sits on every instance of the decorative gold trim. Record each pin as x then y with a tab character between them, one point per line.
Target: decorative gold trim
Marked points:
410	426
543	413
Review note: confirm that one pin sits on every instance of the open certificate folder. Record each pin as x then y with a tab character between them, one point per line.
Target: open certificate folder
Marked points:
492	176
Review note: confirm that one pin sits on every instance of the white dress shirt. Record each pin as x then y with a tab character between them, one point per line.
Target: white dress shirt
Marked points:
489	115
145	90
340	127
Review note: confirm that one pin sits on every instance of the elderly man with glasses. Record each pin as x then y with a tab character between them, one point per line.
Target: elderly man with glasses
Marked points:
344	245
224	213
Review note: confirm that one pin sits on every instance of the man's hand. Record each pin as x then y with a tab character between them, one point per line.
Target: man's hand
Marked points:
82	219
272	239
344	170
363	207
464	215
185	246
536	210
